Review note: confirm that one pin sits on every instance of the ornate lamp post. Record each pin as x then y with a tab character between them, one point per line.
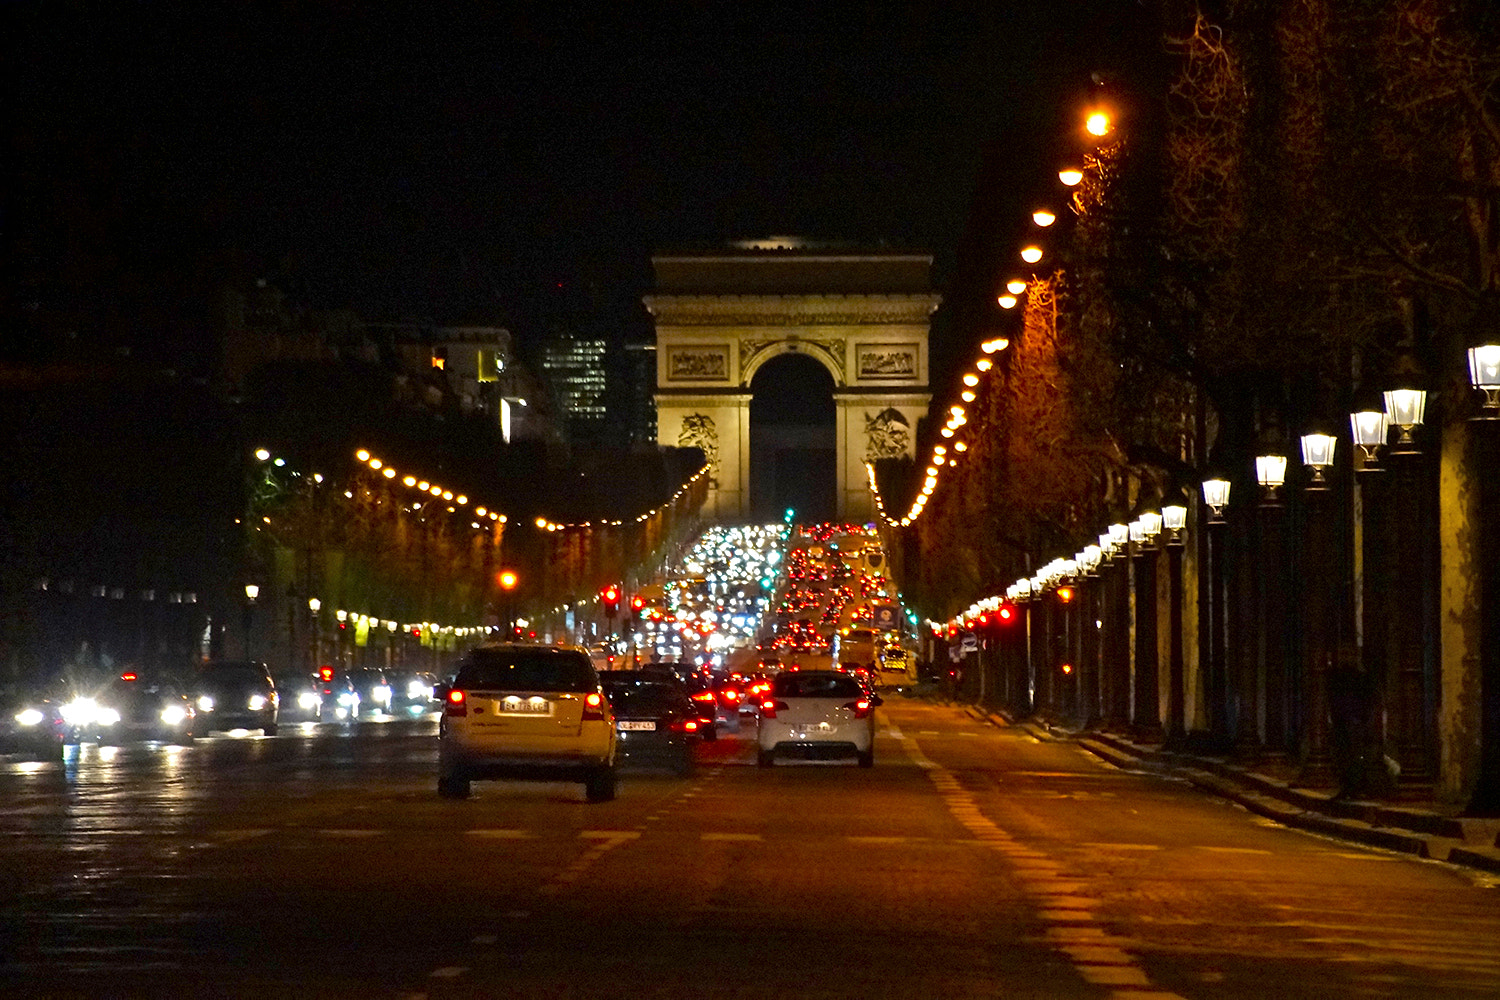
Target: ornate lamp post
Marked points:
1216	496
252	591
1484	374
1404	409
1174	519
1270	473
1369	429
1317	455
315	633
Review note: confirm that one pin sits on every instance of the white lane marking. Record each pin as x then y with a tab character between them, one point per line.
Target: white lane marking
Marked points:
731	836
879	840
235	836
500	834
1099	845
609	834
448	972
1233	850
349	834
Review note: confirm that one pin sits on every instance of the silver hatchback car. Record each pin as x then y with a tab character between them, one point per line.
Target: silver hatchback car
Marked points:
526	712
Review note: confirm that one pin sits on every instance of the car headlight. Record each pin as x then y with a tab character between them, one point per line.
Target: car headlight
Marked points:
205	704
80	711
416	689
29	717
257	702
309	700
348	698
173	715
107	716
382	692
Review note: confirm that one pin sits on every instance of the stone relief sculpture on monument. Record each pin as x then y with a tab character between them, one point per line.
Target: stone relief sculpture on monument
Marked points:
888	435
700	431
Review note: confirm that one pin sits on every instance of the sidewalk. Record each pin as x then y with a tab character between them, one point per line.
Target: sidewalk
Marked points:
1422	830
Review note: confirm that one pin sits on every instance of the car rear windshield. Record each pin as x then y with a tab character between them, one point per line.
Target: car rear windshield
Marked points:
643	699
526	670
816	685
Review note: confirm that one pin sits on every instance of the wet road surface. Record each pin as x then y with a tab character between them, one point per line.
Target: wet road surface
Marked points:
970	861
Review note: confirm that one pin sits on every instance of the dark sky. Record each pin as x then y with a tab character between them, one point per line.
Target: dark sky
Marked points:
460	165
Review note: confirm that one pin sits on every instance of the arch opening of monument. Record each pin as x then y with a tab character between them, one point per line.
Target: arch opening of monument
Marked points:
793	440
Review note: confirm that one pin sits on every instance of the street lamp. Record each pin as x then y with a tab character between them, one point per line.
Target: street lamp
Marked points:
1317	454
1216	495
1369	428
1031	254
1270	472
1404	408
252	591
1484	374
1174	519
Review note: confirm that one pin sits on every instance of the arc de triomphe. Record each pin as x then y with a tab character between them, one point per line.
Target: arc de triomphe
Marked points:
722	314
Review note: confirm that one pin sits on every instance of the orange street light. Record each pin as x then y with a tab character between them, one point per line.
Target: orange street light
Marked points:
1070	176
1015	286
1043	218
1098	124
1031	254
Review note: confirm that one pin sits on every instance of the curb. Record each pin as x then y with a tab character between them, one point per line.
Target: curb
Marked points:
1405	831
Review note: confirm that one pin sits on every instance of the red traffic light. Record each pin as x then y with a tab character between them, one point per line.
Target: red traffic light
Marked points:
637	602
1065	594
1006	613
128	675
325	673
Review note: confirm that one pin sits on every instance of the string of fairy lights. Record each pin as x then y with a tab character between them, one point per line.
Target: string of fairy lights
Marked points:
951	444
545	524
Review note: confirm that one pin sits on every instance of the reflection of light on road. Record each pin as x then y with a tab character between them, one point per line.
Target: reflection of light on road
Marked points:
238	734
308	727
108	754
33	766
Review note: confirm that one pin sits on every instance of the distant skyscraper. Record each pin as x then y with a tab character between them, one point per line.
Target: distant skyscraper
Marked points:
574	368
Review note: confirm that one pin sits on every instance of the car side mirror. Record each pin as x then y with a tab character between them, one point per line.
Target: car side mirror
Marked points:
876	700
440	692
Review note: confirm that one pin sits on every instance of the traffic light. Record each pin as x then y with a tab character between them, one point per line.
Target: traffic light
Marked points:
1065	594
1006	613
611	598
637	604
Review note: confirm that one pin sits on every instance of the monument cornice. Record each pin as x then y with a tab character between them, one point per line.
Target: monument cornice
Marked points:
791	310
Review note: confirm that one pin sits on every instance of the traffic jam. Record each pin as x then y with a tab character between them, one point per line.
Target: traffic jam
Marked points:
785	637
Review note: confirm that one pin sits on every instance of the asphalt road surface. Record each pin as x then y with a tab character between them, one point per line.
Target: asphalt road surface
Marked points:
970	861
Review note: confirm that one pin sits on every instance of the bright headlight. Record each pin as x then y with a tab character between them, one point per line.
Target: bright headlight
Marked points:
205	704
173	715
416	689
107	716
257	702
348	698
80	711
29	717
308	700
382	692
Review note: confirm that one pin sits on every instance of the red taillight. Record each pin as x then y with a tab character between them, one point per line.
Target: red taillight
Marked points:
770	707
730	694
704	697
861	708
458	702
685	726
593	707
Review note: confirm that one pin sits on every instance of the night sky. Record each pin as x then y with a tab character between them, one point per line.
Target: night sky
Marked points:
464	167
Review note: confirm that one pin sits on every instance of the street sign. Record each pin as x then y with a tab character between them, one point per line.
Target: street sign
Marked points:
970	642
887	617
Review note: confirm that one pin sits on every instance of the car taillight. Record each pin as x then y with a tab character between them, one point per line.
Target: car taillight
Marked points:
458	703
730	694
770	707
705	697
861	708
684	726
593	707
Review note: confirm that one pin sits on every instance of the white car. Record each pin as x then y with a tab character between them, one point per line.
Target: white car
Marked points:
528	712
817	714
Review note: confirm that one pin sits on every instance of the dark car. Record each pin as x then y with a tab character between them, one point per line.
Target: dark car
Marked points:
235	694
31	723
340	702
654	720
413	692
132	707
299	698
373	688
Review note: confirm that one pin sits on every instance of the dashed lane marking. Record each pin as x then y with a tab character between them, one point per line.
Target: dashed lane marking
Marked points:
349	834
500	834
725	837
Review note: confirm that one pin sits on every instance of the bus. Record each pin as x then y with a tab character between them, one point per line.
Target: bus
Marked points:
854	649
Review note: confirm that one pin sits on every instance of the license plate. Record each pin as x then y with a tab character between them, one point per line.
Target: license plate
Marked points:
629	727
523	706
